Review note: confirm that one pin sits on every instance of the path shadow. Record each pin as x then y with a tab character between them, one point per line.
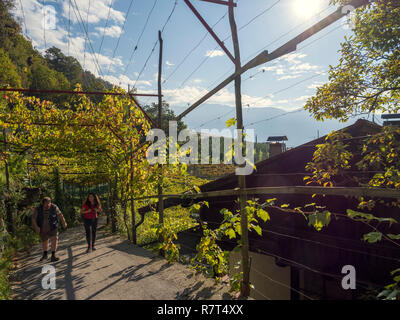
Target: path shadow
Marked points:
205	293
132	249
129	274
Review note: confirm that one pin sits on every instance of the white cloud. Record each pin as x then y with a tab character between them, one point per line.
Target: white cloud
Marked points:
304	67
288	77
293	57
98	11
290	66
155	77
43	39
302	98
189	94
214	53
315	85
123	81
113	31
269	68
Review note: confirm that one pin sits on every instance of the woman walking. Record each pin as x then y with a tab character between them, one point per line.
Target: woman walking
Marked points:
90	210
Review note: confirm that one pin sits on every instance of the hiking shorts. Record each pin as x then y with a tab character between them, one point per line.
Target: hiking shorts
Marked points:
44	236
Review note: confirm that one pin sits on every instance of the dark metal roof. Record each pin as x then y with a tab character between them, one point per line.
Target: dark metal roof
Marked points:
277	138
392	123
390	116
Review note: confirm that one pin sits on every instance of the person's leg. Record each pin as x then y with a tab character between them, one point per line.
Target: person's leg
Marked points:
94	230
54	241
45	246
87	223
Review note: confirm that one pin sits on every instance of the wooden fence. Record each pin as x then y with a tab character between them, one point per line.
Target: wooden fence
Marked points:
332	191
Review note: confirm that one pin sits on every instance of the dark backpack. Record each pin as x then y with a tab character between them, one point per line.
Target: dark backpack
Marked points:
53	220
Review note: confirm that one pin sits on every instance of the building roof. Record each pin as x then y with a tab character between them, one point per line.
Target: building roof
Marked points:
277	138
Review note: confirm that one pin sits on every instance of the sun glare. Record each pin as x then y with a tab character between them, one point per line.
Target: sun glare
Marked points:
306	8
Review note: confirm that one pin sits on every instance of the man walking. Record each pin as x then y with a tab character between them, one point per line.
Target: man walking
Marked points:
45	223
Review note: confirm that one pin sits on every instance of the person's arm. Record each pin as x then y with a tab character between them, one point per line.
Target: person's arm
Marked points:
34	224
99	209
85	211
61	217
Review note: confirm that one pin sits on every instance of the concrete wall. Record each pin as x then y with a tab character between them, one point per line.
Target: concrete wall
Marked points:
273	285
276	148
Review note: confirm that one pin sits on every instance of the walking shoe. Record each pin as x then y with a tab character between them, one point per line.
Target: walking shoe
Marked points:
93	248
44	257
54	258
88	249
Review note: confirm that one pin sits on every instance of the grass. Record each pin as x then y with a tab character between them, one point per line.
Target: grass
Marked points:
5	267
178	218
24	239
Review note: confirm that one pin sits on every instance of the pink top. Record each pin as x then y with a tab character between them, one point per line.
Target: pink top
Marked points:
92	214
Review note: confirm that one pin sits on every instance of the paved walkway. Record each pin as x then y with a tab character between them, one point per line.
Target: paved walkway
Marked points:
116	270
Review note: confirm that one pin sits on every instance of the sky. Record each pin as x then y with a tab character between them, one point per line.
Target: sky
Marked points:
116	27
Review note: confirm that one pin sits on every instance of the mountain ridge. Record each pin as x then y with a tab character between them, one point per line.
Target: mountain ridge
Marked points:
298	126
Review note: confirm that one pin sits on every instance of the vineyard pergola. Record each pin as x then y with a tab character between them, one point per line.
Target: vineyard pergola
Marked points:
81	137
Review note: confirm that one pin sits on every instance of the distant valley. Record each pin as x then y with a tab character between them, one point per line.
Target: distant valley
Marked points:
299	127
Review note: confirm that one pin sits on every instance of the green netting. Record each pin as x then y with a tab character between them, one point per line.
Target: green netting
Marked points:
74	191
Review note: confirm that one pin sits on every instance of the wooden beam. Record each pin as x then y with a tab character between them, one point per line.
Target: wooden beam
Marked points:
221	2
244	237
209	29
76	92
334	191
264	56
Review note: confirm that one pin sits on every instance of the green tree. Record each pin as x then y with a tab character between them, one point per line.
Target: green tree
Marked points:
367	78
68	66
8	71
9	28
167	115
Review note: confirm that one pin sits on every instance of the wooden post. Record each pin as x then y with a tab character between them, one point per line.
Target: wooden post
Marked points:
160	200
159	188
9	216
29	175
241	178
114	206
133	215
134	237
109	202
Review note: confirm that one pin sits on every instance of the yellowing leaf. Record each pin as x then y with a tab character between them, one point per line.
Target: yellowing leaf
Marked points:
230	122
